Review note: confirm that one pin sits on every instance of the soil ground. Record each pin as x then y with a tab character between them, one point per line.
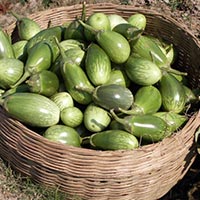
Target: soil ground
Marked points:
184	11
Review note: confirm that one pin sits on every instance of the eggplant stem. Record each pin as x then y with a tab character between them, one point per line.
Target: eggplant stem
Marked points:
15	15
88	27
22	79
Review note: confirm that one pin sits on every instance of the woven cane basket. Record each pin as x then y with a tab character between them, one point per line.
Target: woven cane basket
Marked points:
146	173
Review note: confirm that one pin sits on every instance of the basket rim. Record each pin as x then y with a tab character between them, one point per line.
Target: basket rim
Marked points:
121	7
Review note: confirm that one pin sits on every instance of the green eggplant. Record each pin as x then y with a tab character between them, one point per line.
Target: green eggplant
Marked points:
74	30
26	27
148	127
142	71
63	134
11	70
44	82
114	44
116	19
119	77
130	32
71	116
32	109
74	55
147	100
172	92
114	140
173	120
138	20
74	76
39	58
110	96
97	65
45	34
95	118
190	95
19	50
149	49
99	21
72	43
6	49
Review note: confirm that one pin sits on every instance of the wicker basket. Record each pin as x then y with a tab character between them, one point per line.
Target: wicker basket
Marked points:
146	173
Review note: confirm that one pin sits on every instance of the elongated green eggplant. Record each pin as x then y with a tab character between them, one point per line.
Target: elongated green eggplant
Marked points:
11	70
172	92
45	83
142	71
139	20
75	76
114	140
97	65
119	77
45	34
96	119
147	100
26	26
32	109
110	96
6	49
39	58
114	44
130	32
63	134
149	49
148	127
173	120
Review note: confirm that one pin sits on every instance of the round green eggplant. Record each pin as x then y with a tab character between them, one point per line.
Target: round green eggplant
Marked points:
96	119
116	19
138	20
99	21
19	50
63	134
71	116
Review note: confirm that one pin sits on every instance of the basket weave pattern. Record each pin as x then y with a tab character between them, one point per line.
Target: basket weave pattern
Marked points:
146	173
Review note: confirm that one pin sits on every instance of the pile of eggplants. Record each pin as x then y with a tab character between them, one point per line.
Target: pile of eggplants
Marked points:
96	82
